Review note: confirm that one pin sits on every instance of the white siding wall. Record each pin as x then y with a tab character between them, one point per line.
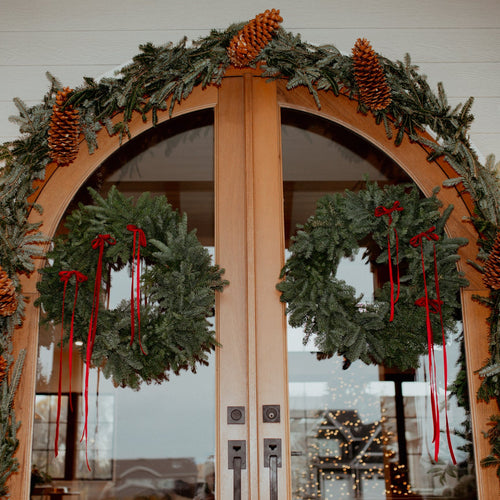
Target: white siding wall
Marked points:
453	41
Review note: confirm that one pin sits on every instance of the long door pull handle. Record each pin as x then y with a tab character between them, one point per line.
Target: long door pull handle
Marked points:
237	460
272	460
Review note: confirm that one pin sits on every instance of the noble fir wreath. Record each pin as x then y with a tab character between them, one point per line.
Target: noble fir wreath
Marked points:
178	282
391	330
158	73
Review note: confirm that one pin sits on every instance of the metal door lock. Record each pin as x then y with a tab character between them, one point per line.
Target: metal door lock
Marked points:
237	449
271	414
235	414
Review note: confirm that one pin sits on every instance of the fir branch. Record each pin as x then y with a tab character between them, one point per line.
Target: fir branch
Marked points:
172	71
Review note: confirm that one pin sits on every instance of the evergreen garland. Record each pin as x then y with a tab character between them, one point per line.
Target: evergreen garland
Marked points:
172	71
329	310
179	285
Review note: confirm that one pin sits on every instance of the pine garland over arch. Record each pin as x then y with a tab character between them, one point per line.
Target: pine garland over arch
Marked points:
171	71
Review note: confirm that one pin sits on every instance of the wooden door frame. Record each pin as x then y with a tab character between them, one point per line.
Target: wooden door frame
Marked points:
412	158
61	184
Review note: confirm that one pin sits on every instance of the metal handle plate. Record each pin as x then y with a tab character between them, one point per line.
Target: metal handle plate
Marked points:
272	460
237	460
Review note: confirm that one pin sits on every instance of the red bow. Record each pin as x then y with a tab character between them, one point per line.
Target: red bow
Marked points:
101	239
434	306
139	241
379	212
98	243
429	235
65	277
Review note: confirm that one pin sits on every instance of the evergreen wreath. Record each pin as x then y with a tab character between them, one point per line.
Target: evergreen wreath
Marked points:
158	78
179	283
328	308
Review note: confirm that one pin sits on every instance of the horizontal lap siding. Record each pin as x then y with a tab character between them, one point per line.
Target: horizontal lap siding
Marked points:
452	41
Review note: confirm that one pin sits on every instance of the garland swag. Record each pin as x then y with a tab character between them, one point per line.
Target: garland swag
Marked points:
178	284
158	73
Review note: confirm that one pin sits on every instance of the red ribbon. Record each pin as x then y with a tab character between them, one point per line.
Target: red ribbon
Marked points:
379	212
65	277
98	243
139	241
434	306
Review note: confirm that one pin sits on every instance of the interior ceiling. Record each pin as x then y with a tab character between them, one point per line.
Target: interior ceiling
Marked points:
307	156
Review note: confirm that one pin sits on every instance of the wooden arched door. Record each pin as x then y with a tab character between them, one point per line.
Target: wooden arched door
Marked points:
251	366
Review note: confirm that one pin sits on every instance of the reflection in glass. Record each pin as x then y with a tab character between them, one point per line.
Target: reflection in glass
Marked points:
366	432
157	442
358	431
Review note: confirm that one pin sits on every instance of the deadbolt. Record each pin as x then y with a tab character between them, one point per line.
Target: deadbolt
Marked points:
235	414
271	414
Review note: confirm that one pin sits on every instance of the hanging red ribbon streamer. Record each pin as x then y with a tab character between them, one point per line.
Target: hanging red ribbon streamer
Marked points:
65	277
98	243
445	359
379	212
139	241
434	306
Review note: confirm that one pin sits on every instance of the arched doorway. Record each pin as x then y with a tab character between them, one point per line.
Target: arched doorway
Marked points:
251	368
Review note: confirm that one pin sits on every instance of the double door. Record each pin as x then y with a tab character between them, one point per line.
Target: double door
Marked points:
249	241
265	420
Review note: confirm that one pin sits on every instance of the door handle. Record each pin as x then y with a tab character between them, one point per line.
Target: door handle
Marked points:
237	460
272	460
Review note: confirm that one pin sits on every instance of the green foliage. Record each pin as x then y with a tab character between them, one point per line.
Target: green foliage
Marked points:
493	435
490	373
328	309
8	422
171	71
179	284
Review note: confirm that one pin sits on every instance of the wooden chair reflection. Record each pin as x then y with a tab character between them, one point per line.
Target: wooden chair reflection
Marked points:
54	493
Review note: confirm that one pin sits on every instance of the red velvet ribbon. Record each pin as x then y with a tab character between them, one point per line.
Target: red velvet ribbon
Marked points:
434	306
445	360
379	212
65	277
98	243
139	241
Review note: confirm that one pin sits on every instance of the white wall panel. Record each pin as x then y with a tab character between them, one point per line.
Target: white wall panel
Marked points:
53	15
453	41
116	46
86	47
30	83
423	44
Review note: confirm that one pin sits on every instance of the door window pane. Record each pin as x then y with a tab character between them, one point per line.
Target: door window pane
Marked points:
159	441
360	431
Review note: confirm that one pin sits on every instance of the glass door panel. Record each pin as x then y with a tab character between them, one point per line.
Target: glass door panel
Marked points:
159	441
359	431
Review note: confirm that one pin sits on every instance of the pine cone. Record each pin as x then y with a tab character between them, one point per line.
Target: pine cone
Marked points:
491	276
253	37
374	91
64	130
3	368
8	296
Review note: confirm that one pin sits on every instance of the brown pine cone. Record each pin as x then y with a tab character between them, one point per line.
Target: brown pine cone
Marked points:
374	91
491	276
64	130
8	296
3	368
247	44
